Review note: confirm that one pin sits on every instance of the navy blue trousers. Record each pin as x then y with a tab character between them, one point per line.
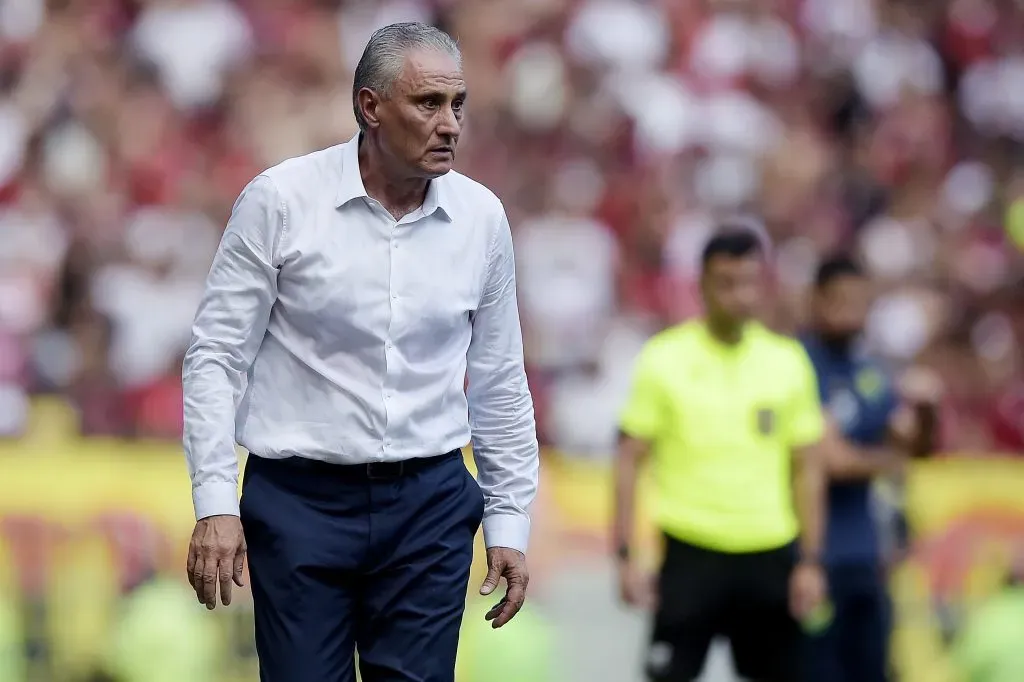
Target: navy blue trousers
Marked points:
340	560
855	647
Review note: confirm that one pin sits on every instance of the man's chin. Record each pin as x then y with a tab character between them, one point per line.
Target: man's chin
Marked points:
435	170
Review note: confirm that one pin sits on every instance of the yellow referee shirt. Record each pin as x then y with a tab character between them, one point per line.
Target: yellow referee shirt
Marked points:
723	422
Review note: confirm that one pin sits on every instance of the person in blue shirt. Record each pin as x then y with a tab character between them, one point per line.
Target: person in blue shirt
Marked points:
873	432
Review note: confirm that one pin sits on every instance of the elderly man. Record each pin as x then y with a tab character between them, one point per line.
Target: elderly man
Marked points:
354	292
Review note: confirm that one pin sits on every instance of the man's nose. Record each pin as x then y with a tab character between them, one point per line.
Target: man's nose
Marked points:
448	126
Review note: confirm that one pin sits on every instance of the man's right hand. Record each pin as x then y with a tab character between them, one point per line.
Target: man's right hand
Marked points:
636	586
216	556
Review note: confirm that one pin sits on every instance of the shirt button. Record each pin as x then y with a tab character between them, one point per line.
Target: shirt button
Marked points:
394	297
394	245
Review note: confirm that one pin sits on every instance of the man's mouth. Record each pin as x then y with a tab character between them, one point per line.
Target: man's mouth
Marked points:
442	150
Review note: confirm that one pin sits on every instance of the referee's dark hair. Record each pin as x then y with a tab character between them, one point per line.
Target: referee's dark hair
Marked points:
834	267
733	242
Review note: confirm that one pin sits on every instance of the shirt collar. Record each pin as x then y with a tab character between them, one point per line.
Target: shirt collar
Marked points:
751	330
351	186
857	351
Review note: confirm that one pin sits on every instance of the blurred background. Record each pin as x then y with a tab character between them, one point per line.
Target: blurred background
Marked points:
616	132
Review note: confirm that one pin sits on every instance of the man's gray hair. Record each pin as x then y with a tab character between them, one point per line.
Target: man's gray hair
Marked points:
385	53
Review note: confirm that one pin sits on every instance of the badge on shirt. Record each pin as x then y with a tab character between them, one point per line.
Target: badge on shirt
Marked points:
766	421
870	383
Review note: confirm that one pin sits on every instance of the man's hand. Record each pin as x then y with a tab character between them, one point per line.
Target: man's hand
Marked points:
216	555
636	586
503	562
807	589
921	386
915	425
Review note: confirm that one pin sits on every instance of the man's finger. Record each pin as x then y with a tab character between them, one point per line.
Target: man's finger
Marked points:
190	566
508	612
514	600
210	583
491	581
197	578
801	603
239	567
495	610
226	574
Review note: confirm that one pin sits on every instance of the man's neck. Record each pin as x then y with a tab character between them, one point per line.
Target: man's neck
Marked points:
398	195
727	332
841	347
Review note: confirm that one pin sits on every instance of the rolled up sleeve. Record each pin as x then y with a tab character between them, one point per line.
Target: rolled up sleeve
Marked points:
500	405
229	327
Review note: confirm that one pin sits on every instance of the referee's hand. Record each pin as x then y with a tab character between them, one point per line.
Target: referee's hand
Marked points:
216	557
807	589
636	586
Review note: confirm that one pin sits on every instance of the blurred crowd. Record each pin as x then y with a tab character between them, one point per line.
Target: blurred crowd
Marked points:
617	132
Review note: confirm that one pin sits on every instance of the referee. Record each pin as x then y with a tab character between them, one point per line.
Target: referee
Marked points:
730	414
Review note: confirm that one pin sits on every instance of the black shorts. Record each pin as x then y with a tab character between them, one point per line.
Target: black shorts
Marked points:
743	597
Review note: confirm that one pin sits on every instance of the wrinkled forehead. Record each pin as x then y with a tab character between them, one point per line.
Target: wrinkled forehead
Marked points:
428	70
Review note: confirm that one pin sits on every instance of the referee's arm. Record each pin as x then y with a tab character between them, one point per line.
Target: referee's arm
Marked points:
640	424
632	451
806	433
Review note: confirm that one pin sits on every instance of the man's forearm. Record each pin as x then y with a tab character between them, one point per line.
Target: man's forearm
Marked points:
209	400
509	481
507	458
504	447
847	462
810	497
627	467
844	461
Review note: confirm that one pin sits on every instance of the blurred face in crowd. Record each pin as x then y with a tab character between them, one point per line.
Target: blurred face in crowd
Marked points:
733	288
841	309
420	118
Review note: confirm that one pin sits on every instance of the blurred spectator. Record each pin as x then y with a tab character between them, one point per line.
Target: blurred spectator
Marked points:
127	128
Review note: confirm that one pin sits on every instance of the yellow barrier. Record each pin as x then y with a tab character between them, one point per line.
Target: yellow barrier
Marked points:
965	513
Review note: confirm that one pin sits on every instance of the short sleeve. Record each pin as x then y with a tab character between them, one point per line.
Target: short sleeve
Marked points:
643	416
805	420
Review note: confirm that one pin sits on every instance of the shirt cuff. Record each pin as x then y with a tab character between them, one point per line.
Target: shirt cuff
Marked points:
507	530
216	498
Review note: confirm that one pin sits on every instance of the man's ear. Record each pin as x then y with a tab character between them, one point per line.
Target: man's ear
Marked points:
369	103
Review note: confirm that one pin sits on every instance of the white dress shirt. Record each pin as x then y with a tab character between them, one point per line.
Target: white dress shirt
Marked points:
329	330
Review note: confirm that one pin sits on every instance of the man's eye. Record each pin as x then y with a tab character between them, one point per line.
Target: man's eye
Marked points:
430	103
457	105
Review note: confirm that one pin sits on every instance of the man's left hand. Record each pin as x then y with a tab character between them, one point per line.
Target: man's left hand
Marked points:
921	386
503	562
807	589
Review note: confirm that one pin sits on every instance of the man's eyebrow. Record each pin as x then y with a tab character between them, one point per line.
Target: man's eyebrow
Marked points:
443	94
